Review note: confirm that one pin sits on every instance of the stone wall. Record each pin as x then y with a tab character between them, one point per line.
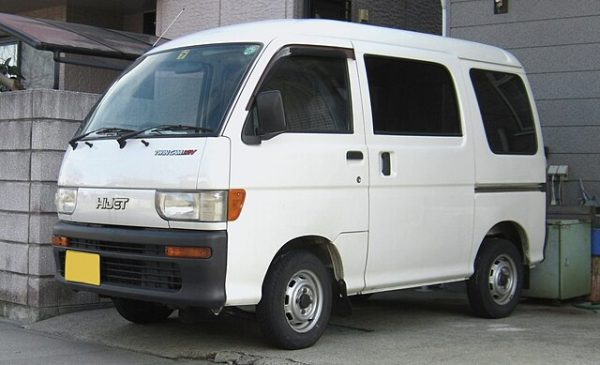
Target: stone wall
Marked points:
35	126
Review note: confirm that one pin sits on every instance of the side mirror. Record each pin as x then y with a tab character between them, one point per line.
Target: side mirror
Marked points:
271	117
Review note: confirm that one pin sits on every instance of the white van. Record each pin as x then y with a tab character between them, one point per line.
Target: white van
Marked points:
291	164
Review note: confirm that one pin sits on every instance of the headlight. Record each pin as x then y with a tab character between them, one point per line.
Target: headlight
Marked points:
65	200
204	206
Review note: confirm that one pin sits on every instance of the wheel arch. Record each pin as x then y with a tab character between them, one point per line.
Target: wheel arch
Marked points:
321	247
512	232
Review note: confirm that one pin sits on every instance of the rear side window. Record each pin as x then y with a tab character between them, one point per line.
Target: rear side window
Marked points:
315	94
412	97
506	112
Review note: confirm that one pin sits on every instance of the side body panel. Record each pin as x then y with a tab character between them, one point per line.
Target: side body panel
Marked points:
526	209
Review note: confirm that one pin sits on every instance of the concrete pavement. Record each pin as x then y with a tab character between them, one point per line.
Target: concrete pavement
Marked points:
404	327
23	346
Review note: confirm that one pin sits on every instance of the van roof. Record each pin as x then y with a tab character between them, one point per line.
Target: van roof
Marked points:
266	31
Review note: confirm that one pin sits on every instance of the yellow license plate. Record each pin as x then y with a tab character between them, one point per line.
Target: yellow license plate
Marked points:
82	267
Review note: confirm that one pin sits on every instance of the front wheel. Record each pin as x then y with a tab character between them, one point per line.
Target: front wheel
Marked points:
296	301
140	312
495	287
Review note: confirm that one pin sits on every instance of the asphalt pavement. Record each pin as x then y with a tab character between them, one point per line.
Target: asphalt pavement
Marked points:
402	327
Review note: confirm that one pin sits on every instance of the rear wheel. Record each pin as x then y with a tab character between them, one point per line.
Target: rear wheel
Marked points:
296	301
495	287
140	312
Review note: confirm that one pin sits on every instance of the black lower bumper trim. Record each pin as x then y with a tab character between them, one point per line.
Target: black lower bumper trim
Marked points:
133	264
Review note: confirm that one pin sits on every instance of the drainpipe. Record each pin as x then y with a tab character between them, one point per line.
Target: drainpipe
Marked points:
444	18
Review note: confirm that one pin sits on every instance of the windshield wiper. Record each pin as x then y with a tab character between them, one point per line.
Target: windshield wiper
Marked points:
166	127
73	142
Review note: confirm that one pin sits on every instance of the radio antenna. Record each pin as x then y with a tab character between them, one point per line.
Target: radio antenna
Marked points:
169	27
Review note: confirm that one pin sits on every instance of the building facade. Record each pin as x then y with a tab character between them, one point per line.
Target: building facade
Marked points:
558	42
196	15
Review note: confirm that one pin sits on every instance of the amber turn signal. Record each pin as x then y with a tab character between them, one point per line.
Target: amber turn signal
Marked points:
60	241
188	252
235	203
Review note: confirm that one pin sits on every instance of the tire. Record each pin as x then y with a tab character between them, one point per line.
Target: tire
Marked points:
140	312
495	287
296	301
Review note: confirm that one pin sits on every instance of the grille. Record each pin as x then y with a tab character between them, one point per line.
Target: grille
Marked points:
103	246
143	274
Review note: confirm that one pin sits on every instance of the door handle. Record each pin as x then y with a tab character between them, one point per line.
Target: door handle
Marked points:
354	155
386	166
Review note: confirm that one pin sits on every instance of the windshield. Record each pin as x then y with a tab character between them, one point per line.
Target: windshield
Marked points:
184	87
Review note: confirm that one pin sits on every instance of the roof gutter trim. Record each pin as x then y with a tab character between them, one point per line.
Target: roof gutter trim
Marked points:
21	36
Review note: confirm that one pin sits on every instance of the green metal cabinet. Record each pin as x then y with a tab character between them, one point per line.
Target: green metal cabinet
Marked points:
566	270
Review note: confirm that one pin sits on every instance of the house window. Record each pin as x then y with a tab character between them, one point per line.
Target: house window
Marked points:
9	49
149	23
500	6
328	9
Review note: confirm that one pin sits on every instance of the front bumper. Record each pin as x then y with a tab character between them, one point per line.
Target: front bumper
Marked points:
133	264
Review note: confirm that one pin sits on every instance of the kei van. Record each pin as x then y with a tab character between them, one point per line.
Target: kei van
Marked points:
292	164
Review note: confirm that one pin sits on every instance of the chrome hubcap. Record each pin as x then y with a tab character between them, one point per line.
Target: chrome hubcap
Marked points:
303	301
502	280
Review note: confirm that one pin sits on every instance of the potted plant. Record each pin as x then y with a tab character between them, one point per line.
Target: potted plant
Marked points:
10	76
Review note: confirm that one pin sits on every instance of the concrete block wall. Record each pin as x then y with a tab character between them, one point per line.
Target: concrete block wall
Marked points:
558	42
35	126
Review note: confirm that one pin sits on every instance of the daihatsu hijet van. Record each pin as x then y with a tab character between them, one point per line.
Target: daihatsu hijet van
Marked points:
291	164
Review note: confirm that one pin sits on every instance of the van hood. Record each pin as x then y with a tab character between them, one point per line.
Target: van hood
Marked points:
165	163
